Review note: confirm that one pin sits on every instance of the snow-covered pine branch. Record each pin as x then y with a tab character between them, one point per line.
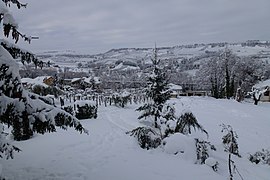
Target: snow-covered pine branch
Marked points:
24	112
19	107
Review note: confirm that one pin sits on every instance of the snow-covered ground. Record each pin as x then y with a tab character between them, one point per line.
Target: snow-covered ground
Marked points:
108	153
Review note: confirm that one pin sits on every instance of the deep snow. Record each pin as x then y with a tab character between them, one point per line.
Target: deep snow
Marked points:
109	153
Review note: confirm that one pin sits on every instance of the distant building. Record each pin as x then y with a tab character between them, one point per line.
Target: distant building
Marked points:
192	89
176	90
84	82
49	80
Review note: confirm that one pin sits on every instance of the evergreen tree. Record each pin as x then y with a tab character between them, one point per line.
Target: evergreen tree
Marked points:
25	112
157	91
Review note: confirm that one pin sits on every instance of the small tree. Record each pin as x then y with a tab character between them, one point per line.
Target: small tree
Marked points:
202	150
146	137
157	91
231	146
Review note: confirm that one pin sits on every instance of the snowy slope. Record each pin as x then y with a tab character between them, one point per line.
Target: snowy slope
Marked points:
108	153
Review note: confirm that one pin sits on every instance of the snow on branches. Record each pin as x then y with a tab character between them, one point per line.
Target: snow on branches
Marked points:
10	25
24	112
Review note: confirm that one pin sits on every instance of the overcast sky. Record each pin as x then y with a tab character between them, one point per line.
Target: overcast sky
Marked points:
93	26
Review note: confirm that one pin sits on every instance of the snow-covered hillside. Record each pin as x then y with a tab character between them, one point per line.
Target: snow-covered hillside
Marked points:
109	153
195	52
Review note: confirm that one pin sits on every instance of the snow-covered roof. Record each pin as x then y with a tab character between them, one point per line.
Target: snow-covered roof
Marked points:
175	87
97	80
262	84
88	80
75	79
36	81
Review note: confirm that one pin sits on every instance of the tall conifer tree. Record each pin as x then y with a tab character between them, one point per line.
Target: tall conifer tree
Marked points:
157	91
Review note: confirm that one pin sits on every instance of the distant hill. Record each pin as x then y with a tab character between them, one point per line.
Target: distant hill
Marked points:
185	54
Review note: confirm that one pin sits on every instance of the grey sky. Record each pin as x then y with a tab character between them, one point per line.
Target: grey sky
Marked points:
93	26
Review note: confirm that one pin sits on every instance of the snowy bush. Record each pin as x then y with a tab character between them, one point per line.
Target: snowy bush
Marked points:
196	150
180	144
229	140
147	137
121	100
183	125
43	91
211	162
86	111
260	157
202	150
186	121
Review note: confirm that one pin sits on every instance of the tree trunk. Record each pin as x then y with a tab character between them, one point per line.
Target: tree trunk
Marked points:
256	102
227	83
156	125
230	168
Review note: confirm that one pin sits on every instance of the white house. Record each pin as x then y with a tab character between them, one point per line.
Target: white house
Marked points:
176	89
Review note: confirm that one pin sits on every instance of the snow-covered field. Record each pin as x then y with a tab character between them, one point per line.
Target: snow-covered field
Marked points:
108	153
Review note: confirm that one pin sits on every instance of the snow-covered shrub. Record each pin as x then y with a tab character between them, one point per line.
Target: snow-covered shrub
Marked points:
261	157
147	137
86	111
180	144
202	150
183	125
211	162
43	91
38	89
229	140
189	148
121	100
